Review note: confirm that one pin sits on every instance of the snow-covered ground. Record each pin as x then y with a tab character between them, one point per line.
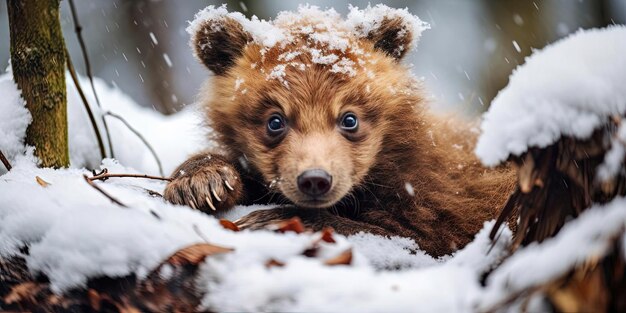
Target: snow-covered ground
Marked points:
75	233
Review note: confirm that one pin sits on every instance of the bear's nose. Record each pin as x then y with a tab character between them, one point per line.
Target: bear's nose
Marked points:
314	182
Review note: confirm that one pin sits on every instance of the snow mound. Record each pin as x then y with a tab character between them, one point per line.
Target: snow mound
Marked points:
15	121
323	35
579	240
568	88
74	233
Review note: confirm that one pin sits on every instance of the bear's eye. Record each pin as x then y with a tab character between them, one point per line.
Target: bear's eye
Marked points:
275	125
349	122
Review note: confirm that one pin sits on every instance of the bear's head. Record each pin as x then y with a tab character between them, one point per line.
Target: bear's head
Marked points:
311	101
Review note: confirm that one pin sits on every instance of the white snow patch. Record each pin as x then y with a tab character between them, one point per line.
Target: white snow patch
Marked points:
362	22
263	32
566	89
377	250
614	158
14	120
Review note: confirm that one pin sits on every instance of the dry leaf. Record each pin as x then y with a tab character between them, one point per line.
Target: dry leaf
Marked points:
345	258
274	263
229	225
42	182
293	224
195	254
24	292
327	235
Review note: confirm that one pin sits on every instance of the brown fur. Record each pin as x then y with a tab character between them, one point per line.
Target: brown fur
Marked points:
398	144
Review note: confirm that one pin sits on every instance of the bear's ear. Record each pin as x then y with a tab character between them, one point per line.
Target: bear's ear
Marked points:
392	36
393	31
217	43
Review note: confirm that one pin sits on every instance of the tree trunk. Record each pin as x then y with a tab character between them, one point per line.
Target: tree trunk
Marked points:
38	61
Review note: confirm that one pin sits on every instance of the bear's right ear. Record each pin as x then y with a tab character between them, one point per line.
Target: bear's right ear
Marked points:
217	43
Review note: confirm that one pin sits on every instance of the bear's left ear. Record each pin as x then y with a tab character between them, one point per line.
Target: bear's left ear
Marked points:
217	39
393	31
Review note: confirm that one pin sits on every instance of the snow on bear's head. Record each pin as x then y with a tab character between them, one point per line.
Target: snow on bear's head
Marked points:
220	37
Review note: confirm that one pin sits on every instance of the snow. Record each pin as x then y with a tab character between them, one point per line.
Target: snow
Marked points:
569	88
581	239
14	122
364	21
74	233
162	132
329	37
263	32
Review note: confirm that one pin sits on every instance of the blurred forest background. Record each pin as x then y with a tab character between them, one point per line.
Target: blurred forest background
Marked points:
141	47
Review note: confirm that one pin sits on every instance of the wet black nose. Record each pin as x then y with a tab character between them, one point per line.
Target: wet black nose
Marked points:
315	182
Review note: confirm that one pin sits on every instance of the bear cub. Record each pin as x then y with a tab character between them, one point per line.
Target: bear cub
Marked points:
316	113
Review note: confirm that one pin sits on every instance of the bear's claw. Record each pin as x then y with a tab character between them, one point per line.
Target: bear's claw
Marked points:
203	183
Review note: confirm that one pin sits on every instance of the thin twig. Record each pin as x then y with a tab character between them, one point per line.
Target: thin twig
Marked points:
104	175
92	119
78	29
96	187
145	142
5	161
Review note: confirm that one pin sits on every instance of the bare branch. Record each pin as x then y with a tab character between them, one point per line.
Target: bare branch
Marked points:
5	161
104	175
78	29
145	142
92	119
96	187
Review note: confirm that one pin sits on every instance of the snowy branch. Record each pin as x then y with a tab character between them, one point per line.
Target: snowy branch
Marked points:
100	190
5	161
104	175
78	29
145	142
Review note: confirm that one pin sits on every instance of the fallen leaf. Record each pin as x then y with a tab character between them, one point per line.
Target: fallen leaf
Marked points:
345	258
293	224
24	292
327	235
229	225
195	254
274	263
42	182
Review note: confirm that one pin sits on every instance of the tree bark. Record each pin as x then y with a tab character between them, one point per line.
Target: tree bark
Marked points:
38	62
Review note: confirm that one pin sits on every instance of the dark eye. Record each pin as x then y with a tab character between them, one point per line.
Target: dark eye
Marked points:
275	125
349	122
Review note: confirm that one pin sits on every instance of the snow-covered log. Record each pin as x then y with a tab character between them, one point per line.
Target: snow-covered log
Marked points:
560	122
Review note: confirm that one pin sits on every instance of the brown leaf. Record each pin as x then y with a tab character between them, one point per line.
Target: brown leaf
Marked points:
345	258
327	235
293	224
195	254
42	182
94	299
229	225
24	292
274	263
